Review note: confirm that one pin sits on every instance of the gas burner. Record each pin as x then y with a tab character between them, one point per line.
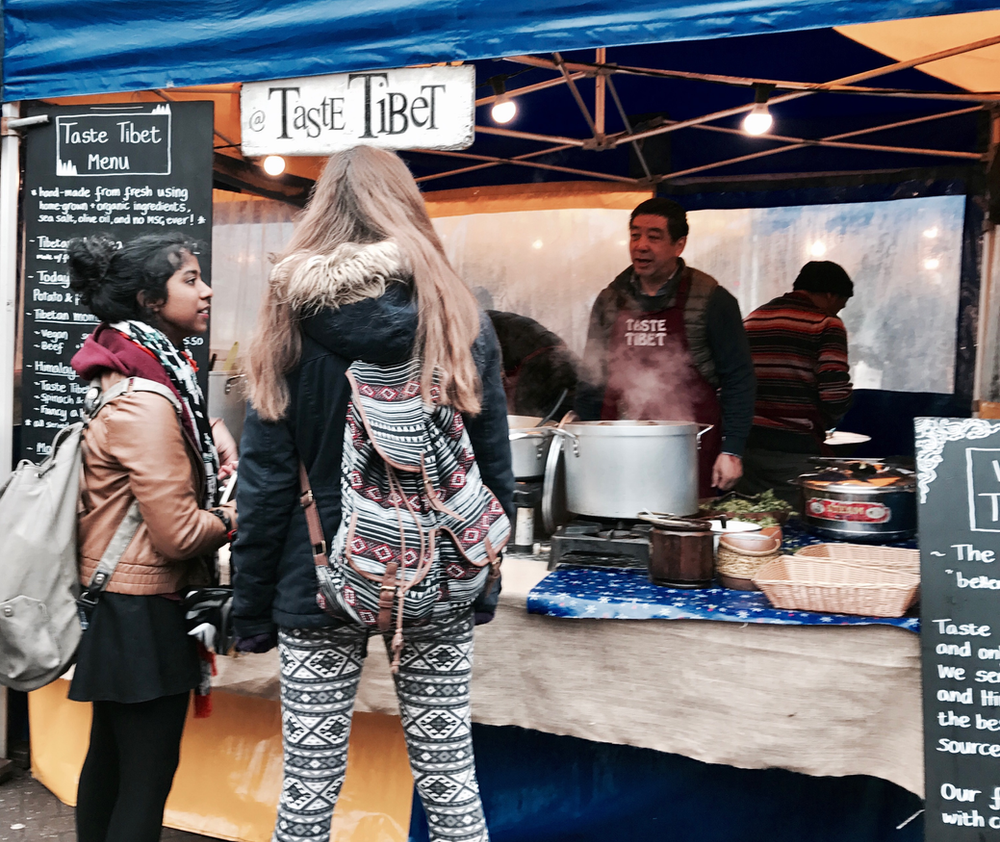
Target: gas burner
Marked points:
601	543
579	529
572	559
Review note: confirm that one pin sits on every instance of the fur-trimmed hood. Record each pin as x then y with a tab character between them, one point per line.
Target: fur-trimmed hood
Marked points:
350	273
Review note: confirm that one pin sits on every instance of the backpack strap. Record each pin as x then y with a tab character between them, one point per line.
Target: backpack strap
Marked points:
112	555
97	399
129	525
320	559
308	503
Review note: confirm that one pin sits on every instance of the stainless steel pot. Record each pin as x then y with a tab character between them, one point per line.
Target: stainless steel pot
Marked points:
529	446
860	501
227	399
617	469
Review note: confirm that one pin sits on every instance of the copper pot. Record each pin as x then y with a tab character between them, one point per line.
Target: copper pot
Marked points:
681	559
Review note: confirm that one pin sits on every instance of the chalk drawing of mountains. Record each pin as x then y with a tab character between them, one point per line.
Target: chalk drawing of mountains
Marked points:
161	109
66	168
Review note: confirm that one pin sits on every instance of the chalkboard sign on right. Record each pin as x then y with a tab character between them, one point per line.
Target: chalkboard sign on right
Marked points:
958	488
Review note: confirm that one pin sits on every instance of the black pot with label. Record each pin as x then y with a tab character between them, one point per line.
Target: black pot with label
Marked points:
860	501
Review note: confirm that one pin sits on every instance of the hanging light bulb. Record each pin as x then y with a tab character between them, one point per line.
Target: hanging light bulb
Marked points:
759	120
504	109
274	165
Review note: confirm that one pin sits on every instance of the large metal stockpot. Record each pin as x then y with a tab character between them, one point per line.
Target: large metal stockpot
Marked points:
529	446
617	469
860	501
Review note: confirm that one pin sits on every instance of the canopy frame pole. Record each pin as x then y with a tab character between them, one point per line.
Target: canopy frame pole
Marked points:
529	89
599	85
519	163
577	96
486	166
628	128
845	80
542	138
10	183
828	141
602	68
986	331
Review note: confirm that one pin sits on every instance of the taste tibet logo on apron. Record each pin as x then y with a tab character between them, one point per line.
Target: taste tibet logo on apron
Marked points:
652	377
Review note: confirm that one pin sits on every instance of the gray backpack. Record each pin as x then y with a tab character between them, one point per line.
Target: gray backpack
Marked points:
40	625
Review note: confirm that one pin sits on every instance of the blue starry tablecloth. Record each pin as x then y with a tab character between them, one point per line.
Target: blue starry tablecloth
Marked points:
795	537
627	594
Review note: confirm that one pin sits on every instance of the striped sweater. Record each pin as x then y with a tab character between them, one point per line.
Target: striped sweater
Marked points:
800	359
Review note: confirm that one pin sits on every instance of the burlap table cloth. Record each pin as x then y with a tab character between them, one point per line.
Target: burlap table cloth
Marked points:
817	700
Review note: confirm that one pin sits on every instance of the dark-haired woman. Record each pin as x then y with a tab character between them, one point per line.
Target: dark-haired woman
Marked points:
137	664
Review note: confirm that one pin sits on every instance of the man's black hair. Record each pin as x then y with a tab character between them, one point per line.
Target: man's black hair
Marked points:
824	276
676	216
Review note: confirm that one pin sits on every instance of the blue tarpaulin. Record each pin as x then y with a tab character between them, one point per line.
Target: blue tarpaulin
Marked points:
72	47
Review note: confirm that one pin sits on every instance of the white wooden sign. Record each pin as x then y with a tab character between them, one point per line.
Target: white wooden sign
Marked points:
409	108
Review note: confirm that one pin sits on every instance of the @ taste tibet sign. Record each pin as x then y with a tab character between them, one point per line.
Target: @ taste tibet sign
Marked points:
408	108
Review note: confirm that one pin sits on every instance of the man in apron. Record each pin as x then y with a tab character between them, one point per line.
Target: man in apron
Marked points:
666	342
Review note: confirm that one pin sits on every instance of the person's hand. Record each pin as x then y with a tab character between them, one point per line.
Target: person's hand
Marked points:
225	444
726	471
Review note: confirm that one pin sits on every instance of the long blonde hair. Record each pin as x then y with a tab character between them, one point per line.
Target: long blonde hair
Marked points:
367	195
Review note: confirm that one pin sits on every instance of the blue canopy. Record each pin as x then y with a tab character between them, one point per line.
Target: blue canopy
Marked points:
72	47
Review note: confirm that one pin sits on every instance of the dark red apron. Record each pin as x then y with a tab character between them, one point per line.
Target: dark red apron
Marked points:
651	377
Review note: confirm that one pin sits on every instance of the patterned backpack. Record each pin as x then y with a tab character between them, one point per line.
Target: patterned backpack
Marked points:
420	534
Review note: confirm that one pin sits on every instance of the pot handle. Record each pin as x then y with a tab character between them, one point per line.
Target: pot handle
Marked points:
565	434
517	435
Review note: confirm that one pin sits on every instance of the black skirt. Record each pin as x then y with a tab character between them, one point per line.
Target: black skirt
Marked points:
135	649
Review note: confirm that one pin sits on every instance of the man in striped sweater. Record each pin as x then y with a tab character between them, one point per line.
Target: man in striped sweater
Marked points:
799	349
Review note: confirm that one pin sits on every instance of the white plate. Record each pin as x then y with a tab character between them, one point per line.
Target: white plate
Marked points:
840	438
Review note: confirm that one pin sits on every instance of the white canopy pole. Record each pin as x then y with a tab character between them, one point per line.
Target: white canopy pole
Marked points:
10	182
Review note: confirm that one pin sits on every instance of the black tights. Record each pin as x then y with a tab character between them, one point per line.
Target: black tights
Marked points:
130	765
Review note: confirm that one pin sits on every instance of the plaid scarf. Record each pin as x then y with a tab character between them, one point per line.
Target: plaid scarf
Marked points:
180	370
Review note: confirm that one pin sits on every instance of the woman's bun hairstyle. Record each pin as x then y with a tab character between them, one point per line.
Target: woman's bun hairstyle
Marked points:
89	258
109	276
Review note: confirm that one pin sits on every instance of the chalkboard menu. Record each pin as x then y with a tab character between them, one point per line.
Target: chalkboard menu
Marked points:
958	487
124	170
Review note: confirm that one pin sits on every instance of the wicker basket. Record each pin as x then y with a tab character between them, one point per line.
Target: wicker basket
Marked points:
801	583
742	564
862	555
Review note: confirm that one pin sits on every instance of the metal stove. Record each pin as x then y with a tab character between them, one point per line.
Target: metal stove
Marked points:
601	543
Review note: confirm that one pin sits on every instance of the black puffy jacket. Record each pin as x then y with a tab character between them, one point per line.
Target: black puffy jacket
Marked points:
273	577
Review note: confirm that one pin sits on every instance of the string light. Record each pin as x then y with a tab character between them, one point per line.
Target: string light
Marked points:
759	120
274	165
504	109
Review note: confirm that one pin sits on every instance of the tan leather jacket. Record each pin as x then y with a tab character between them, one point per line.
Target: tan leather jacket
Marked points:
136	449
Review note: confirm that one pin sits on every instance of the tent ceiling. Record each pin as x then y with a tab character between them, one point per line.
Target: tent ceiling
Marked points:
692	96
907	39
76	47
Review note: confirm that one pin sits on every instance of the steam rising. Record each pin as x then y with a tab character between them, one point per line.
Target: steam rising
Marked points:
653	383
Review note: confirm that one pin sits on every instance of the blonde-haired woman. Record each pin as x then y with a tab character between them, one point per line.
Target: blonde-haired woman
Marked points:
365	277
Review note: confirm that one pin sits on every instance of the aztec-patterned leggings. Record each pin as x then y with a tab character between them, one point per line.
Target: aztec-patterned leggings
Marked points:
320	670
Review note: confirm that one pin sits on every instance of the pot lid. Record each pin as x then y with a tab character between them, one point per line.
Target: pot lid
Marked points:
674	523
859	475
632	429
